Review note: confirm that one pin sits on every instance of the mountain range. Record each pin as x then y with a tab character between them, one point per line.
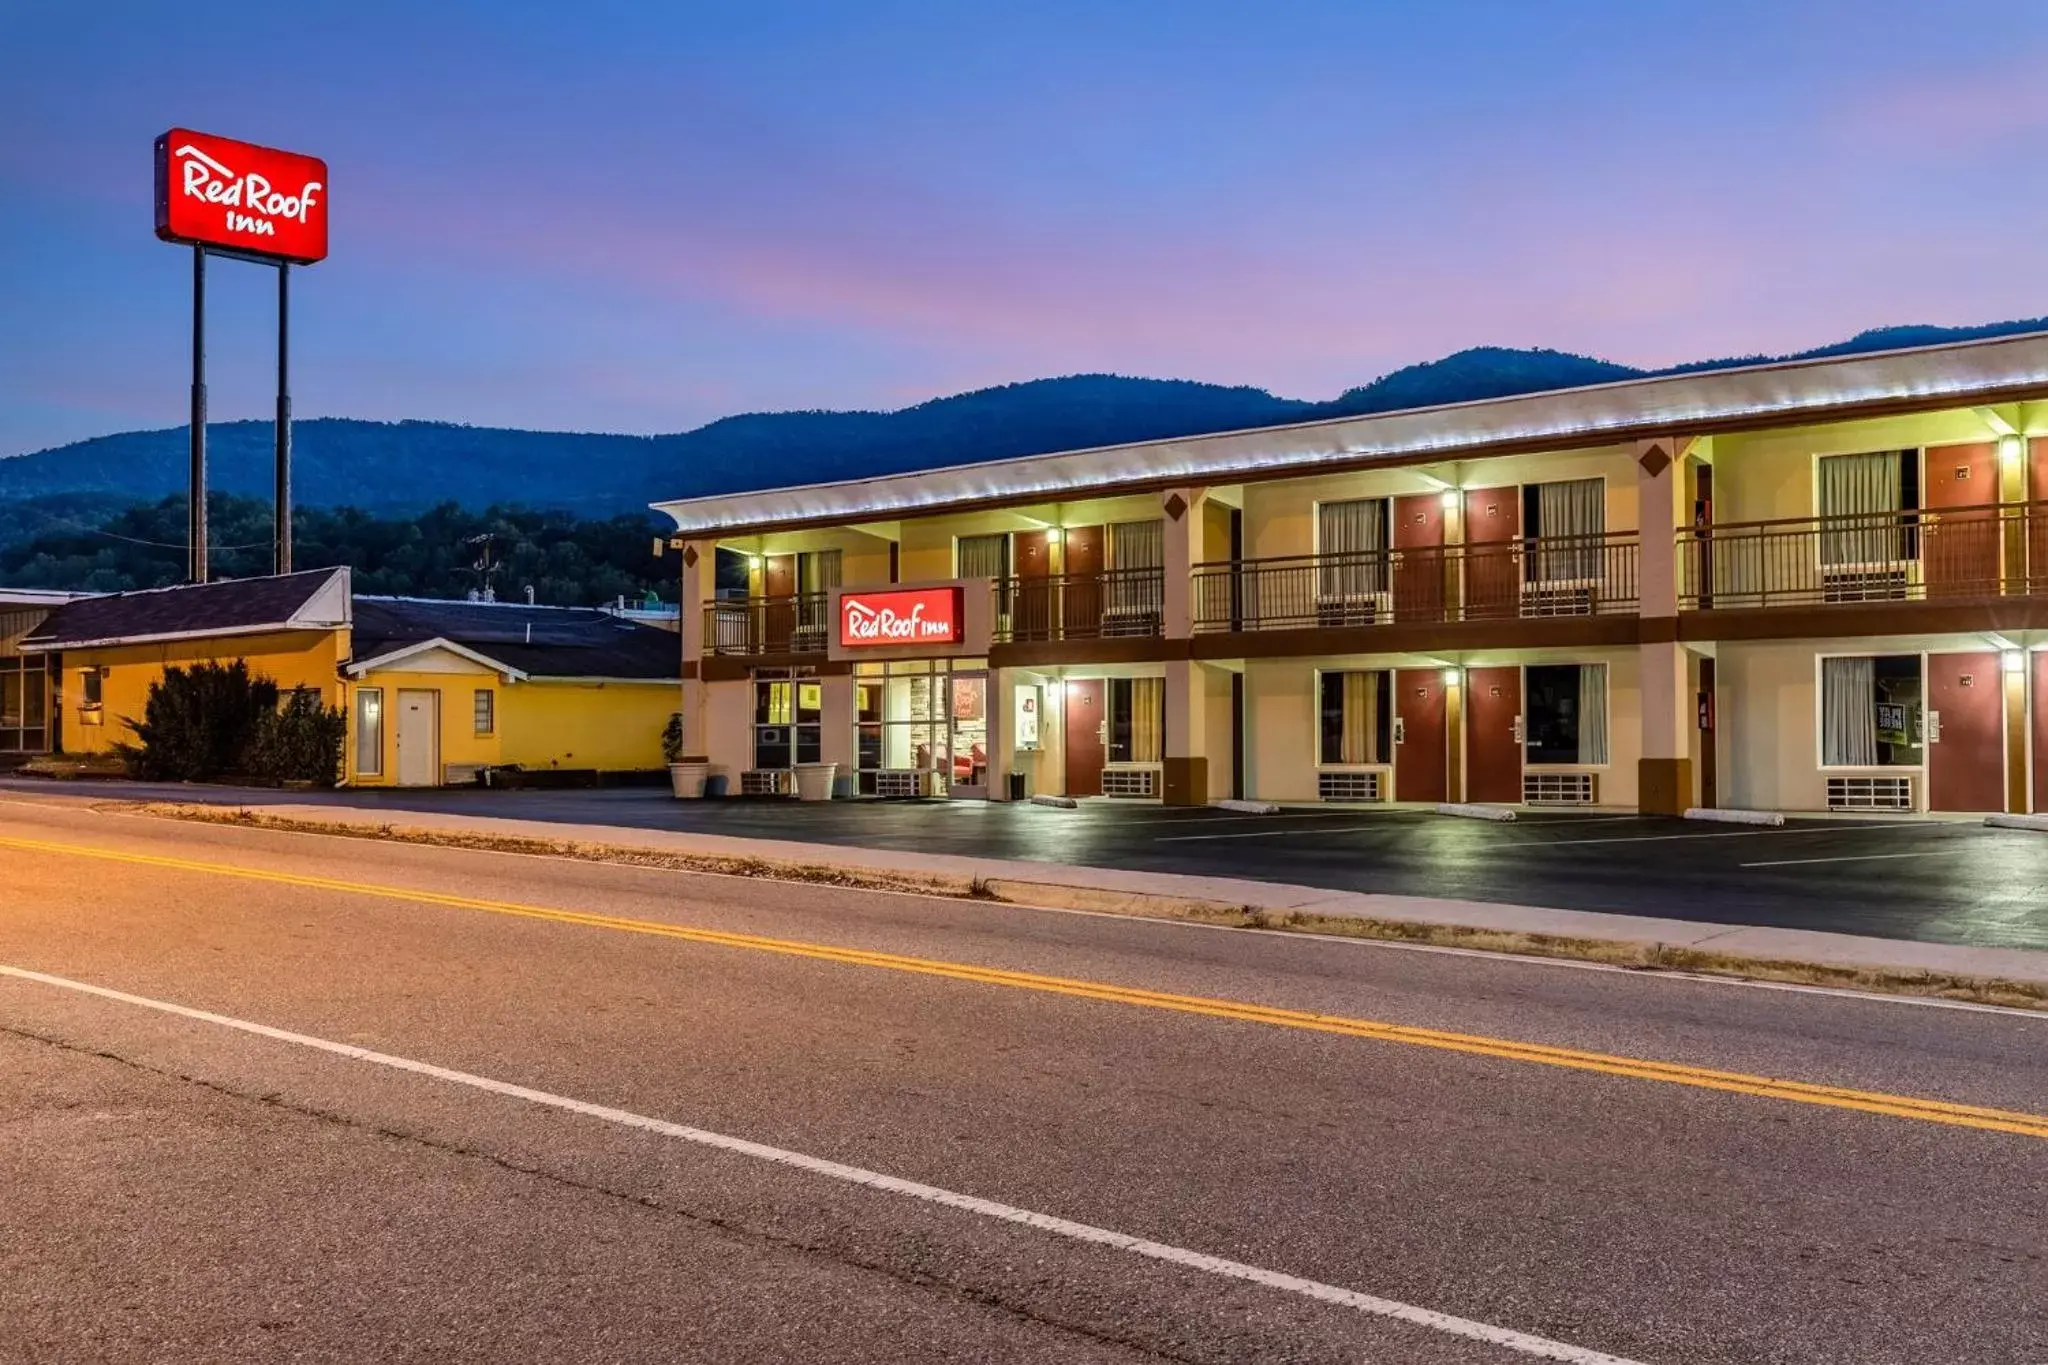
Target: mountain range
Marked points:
402	467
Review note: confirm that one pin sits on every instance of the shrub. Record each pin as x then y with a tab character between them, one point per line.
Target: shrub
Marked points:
672	739
301	741
198	722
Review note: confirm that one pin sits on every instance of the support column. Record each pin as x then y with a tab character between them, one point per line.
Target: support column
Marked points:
2013	669
1181	510
1186	766
700	574
1664	776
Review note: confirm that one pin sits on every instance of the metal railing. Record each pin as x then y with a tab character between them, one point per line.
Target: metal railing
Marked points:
1116	604
1549	576
768	625
1994	550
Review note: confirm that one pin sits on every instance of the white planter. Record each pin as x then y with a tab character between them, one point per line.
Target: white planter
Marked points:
687	779
814	781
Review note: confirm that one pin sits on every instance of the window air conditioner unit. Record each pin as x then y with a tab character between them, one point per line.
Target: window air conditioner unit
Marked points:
1574	597
767	782
1559	789
1361	609
1352	785
1871	793
1868	582
1131	783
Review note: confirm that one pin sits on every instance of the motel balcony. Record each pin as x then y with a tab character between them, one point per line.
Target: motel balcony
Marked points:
747	626
1530	578
1116	604
1954	555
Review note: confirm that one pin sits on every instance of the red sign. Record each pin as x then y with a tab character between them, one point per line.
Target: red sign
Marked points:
214	191
901	616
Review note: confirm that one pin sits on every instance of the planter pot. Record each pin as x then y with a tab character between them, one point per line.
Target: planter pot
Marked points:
687	779
814	781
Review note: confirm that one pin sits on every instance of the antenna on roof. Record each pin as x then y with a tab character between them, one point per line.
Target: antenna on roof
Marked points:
529	594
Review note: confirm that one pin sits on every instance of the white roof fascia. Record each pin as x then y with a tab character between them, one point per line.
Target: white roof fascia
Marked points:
1779	393
358	668
329	605
111	641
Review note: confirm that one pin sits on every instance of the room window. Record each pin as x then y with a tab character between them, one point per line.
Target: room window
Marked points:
1871	712
817	574
1865	503
1137	720
1351	549
1565	714
1564	524
486	711
369	731
92	692
986	557
1357	718
789	710
1137	580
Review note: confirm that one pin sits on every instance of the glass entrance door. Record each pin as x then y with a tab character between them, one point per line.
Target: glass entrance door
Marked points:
967	713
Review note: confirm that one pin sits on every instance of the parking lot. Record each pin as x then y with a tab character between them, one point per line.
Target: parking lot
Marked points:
1934	880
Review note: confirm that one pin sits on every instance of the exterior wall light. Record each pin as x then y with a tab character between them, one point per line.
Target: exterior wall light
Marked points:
1450	677
1054	534
1450	499
2015	661
2009	449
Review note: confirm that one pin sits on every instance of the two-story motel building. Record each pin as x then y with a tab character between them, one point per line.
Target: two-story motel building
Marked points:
1796	586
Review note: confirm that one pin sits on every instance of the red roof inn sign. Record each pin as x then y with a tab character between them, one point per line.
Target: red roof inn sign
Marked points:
901	616
217	192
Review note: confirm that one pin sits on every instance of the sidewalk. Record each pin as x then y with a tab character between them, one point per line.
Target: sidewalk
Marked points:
1165	894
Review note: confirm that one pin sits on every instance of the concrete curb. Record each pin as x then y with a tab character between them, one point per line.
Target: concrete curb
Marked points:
1469	811
1249	807
1056	802
2036	823
1214	899
1736	817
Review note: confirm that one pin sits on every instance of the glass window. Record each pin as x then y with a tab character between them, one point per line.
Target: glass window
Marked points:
1137	720
789	709
1357	718
1565	713
369	731
486	708
93	690
1871	712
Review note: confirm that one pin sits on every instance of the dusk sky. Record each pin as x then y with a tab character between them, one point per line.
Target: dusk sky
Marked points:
642	217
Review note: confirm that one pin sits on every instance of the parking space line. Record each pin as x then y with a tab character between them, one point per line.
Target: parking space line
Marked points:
1727	834
1507	1338
1860	857
1259	833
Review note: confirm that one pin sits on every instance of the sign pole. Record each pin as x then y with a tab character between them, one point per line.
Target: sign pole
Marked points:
196	512
284	420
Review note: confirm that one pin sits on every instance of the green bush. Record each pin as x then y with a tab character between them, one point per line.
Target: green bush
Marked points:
672	739
301	741
198	722
213	720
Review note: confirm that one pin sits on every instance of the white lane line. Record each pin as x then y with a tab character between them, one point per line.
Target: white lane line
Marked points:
1726	834
1860	858
1540	1348
1261	833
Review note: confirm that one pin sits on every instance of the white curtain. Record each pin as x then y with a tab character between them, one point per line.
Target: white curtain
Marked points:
985	556
1570	518
1848	712
817	573
1137	558
1361	732
1351	540
1148	719
1863	492
1592	713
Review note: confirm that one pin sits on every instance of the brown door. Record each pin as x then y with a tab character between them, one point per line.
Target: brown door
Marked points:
1422	748
2037	522
2041	732
1493	735
1707	704
1031	617
1493	579
1081	614
1959	548
1419	563
1702	584
1086	722
1966	718
778	585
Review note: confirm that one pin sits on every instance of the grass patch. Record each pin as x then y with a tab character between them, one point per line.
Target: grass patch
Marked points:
1646	957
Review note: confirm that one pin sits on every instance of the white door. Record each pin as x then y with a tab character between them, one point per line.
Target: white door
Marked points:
419	732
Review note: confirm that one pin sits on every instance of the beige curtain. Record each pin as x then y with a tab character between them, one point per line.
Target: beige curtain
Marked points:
1148	720
1361	719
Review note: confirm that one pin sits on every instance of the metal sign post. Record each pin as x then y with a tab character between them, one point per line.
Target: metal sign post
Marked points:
195	521
282	558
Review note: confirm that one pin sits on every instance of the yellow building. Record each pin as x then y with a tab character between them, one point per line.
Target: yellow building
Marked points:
436	693
1807	585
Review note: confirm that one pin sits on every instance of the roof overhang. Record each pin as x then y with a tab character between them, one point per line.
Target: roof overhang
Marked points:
2000	369
31	645
392	658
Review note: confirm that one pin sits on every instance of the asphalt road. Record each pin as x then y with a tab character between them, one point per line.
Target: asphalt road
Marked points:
181	1188
1934	881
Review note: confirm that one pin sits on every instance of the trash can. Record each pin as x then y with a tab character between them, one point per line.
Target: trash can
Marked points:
814	781
715	786
1020	786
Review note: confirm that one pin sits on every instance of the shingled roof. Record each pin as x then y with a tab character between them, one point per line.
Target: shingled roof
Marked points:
535	642
317	599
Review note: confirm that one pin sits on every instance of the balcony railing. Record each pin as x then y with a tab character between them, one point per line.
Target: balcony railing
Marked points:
1907	556
1117	604
1499	581
768	625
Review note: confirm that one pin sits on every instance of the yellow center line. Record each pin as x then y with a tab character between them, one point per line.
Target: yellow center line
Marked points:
1637	1068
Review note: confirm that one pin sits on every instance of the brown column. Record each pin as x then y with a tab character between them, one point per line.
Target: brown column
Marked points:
1664	777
